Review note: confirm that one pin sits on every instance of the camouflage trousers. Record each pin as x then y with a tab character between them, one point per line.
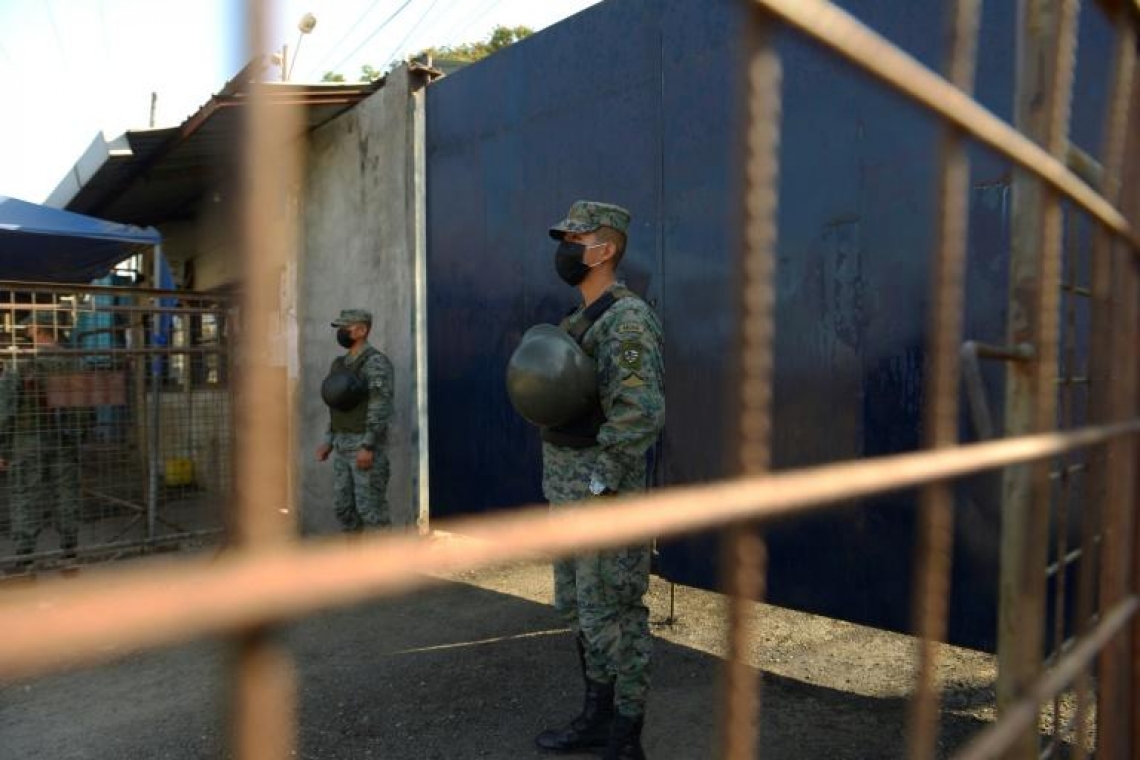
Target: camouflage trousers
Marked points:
43	479
599	595
360	496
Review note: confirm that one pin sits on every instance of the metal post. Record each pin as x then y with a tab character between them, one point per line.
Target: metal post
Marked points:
264	694
153	447
936	519
1114	389
421	481
1046	30
745	556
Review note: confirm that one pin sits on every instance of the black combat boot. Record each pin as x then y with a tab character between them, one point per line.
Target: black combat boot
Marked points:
625	739
591	729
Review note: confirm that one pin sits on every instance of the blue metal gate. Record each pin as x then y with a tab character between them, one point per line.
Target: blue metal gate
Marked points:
637	102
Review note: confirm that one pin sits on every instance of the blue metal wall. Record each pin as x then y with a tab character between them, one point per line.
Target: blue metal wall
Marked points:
638	102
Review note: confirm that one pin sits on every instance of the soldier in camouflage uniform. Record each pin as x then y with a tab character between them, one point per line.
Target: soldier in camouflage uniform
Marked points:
357	435
40	445
600	594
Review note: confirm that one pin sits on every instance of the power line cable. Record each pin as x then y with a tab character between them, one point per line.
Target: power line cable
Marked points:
372	36
103	27
400	45
55	29
483	10
351	28
443	14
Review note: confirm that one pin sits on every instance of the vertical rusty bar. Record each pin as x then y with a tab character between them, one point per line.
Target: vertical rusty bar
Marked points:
1046	28
936	519
1065	475
745	553
1111	362
1128	121
264	694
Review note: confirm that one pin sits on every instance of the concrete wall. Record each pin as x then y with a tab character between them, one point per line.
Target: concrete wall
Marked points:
208	242
359	248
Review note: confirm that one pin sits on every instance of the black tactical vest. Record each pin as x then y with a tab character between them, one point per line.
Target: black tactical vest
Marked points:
349	414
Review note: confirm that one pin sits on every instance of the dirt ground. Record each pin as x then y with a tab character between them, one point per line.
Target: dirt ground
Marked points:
477	665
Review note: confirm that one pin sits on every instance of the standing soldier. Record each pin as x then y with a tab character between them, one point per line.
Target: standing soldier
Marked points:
358	392
599	453
40	436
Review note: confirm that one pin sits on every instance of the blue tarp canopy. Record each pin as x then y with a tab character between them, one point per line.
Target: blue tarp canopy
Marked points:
42	244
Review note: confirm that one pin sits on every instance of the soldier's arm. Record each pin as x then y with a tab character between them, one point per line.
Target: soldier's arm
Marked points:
378	371
9	391
633	396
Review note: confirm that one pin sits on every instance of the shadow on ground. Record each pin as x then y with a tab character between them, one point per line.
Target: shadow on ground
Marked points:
454	672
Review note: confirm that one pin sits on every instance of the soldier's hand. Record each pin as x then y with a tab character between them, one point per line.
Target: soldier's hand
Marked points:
323	452
364	459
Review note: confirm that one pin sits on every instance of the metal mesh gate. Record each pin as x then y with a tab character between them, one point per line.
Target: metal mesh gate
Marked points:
114	422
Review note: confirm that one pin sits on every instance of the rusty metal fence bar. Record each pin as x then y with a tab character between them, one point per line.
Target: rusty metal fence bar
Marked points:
270	579
744	551
1045	61
192	598
936	520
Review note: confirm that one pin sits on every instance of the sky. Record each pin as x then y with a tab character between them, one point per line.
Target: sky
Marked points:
70	69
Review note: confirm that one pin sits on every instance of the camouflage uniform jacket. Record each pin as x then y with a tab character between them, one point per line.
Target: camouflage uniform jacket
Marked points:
627	345
376	370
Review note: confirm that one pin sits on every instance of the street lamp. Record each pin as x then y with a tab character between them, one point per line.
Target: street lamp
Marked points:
306	25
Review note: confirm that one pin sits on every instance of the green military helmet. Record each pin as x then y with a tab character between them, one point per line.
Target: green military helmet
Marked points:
343	390
550	379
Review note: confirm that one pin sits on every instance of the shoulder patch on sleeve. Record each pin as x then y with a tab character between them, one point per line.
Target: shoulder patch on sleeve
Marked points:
630	328
629	355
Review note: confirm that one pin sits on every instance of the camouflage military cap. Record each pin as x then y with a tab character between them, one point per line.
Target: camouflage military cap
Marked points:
353	317
587	216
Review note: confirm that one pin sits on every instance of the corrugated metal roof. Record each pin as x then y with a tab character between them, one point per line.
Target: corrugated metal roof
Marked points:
166	171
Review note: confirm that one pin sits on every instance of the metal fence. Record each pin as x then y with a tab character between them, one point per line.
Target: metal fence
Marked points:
114	422
269	579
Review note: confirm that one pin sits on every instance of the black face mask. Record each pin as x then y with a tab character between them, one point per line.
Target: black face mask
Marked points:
344	338
568	263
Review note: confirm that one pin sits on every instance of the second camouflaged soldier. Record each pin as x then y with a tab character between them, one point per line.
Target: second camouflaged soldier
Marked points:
600	594
358	392
39	440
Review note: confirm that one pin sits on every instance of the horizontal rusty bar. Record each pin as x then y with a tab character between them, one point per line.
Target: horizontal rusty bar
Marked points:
846	35
1084	165
65	623
1022	352
995	740
68	309
110	290
96	352
97	550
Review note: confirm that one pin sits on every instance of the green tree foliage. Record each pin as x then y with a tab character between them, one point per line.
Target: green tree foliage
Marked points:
500	37
469	52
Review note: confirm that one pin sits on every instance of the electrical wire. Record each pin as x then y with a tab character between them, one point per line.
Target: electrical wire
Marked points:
351	28
55	28
486	8
400	44
372	36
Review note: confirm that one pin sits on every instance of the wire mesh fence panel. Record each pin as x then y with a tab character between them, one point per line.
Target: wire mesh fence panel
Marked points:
114	423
